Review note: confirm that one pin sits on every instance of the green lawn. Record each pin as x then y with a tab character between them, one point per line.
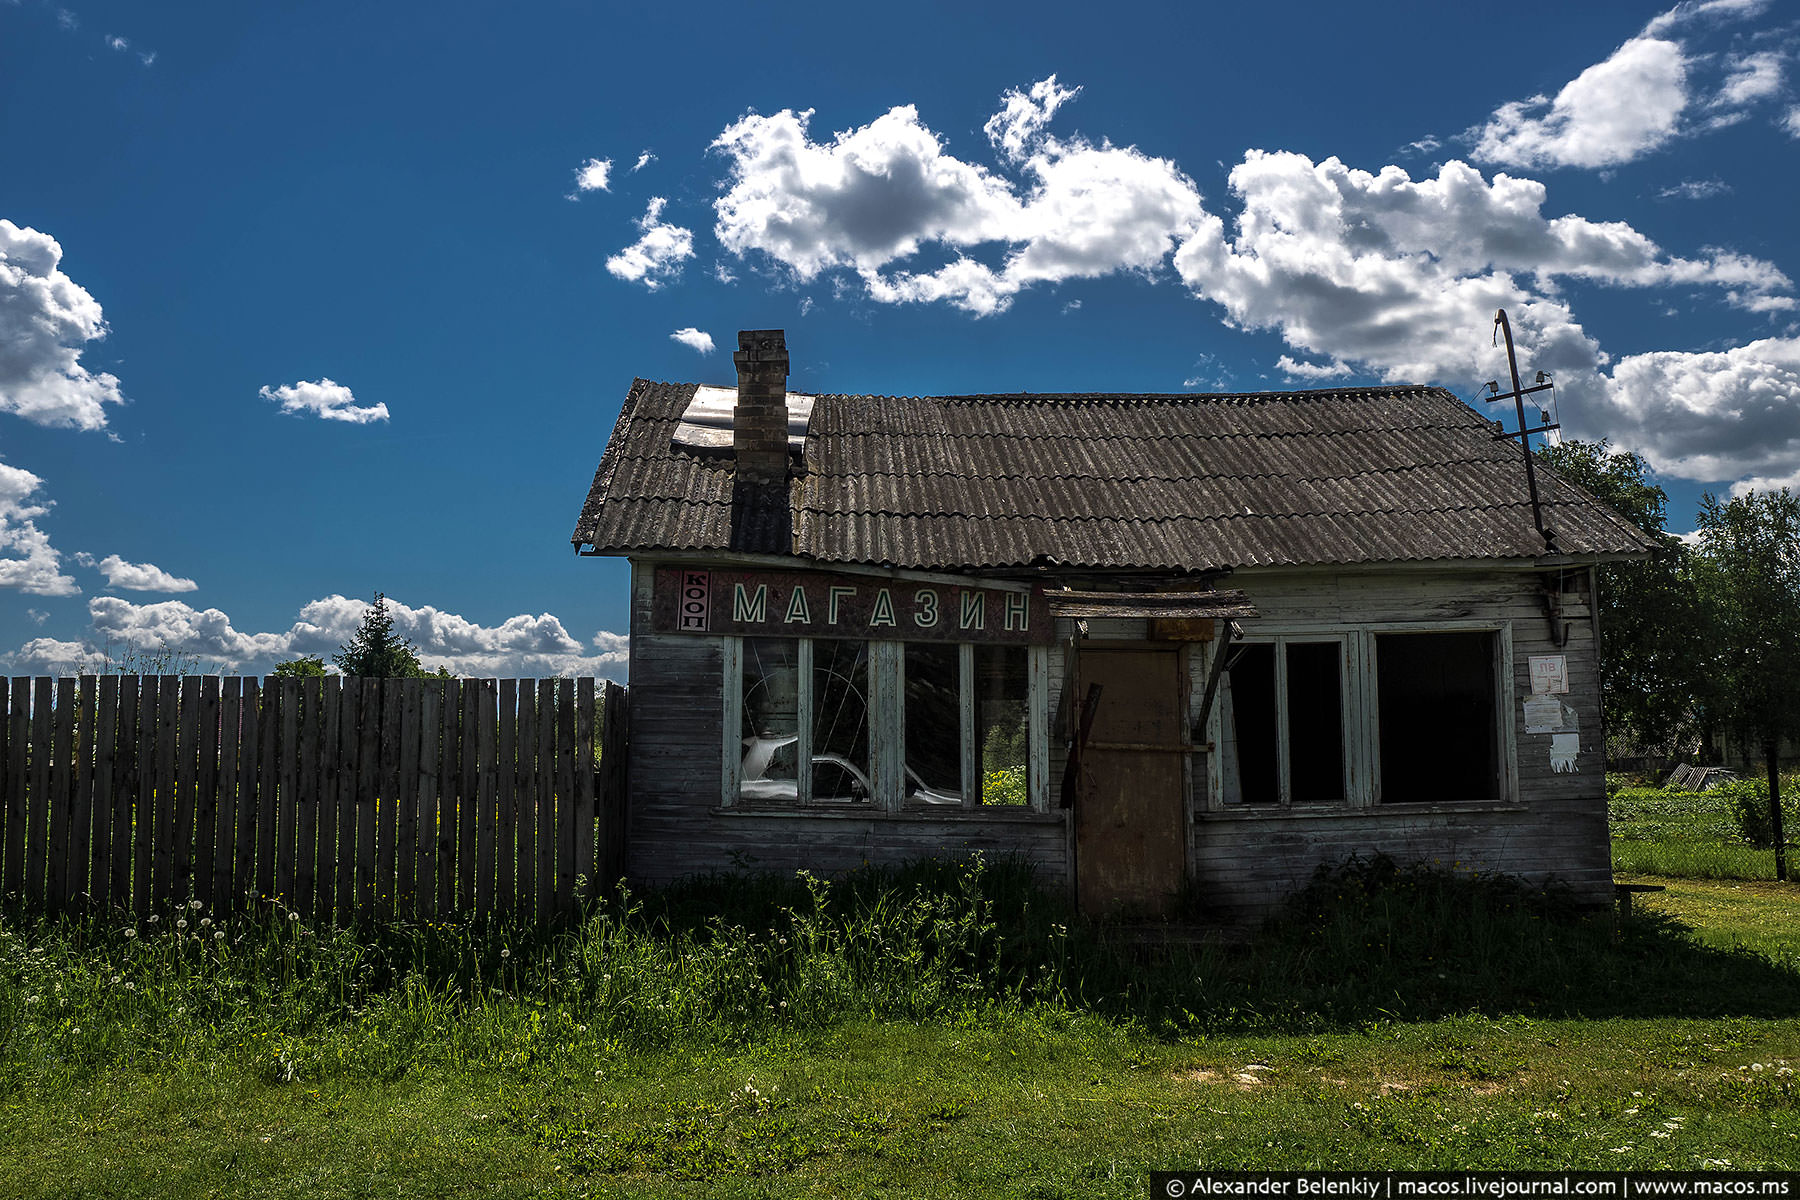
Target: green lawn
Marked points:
1688	835
631	1058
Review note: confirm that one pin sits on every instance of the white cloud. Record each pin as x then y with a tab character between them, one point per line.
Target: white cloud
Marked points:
1398	276
1753	77
45	319
48	656
1695	189
656	257
693	339
117	43
1018	127
643	160
38	616
1790	121
591	176
28	562
1710	415
1287	365
523	646
883	192
1611	113
519	646
326	399
1687	14
136	577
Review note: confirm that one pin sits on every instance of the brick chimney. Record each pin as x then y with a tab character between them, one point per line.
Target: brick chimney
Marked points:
759	424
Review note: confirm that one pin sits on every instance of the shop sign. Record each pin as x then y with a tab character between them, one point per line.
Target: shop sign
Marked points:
713	601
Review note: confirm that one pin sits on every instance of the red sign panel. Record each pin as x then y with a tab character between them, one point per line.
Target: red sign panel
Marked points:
711	600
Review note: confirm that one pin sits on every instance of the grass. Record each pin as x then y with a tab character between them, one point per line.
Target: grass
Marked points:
1688	835
941	1031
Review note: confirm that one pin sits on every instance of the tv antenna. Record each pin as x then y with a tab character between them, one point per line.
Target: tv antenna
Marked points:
1517	396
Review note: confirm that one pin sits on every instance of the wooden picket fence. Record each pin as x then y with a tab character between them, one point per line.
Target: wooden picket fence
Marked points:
342	798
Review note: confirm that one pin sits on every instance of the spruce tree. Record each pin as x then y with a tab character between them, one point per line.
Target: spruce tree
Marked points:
376	650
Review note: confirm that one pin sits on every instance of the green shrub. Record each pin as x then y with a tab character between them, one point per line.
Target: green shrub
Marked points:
1748	802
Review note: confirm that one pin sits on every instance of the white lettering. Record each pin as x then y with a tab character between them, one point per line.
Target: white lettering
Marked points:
745	607
1018	612
926	615
974	610
833	596
798	609
884	609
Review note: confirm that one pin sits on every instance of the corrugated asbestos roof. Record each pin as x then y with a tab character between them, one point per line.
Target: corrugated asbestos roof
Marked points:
1161	482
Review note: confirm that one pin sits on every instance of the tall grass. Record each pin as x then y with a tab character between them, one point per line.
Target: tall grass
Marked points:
738	959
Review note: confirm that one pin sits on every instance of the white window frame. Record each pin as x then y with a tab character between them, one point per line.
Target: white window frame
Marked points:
1362	714
887	730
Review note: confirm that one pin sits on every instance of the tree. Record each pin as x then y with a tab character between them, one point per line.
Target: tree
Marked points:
307	666
376	650
1750	583
1650	635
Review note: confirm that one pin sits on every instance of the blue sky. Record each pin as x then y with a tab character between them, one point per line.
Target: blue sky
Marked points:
302	301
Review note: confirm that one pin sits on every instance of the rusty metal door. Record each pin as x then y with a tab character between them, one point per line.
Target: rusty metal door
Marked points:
1130	819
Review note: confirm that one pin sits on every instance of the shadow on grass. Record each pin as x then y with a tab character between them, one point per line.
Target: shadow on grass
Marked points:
1365	942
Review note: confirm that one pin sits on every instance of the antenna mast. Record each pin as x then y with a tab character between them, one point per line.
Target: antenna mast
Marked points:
1517	396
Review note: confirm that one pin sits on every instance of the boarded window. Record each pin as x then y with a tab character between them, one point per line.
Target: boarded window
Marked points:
1439	716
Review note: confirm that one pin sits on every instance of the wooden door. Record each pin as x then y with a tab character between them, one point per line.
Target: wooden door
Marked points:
1130	826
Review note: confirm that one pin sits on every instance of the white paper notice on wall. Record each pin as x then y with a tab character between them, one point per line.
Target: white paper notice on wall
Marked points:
1549	674
1564	748
1547	714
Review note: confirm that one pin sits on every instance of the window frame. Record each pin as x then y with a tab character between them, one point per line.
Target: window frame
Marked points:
1361	717
1348	662
887	734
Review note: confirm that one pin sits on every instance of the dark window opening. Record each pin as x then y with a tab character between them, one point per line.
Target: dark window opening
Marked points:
771	719
1315	714
1440	732
933	723
1258	739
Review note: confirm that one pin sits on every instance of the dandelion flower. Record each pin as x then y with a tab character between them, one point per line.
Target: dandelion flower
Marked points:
194	904
506	954
130	933
181	924
218	935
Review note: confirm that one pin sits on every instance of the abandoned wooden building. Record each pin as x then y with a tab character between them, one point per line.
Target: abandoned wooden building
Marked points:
1153	643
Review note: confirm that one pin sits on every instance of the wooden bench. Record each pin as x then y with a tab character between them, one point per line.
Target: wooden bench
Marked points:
1625	891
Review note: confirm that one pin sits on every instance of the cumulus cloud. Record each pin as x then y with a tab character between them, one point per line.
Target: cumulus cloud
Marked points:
46	319
28	562
1019	125
522	646
1295	369
48	656
643	160
1395	275
883	192
135	577
1610	113
1790	121
325	399
693	339
1730	414
591	176
1652	89
657	255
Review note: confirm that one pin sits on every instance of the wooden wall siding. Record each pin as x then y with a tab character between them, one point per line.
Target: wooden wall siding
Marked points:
674	823
1245	864
347	799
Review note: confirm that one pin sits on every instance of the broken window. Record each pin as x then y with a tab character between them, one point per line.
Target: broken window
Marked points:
840	722
1439	717
1282	712
1002	683
933	723
771	719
